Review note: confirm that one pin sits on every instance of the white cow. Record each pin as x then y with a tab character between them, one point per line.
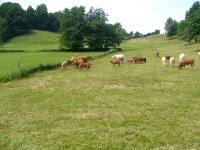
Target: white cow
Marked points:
172	61
181	56
64	65
199	54
119	57
164	60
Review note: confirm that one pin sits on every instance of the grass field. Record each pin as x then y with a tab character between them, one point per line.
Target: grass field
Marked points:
134	106
10	61
34	41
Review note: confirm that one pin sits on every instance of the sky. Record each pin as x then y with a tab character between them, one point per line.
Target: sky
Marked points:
134	15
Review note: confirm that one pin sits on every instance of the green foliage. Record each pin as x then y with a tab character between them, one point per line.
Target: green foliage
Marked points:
30	15
172	29
41	14
171	26
4	30
80	29
189	29
15	18
72	23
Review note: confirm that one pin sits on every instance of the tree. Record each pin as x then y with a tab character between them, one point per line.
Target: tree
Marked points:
3	30
72	28
138	34
171	27
194	8
53	22
41	14
15	17
95	28
30	15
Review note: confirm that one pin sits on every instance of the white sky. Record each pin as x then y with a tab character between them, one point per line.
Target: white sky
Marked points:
134	15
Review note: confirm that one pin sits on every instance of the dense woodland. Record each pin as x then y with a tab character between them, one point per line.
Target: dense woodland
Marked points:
189	28
79	29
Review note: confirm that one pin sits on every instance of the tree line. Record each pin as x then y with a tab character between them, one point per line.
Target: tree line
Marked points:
189	28
14	20
79	29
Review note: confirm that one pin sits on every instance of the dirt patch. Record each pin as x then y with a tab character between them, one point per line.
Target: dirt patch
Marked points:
39	84
119	85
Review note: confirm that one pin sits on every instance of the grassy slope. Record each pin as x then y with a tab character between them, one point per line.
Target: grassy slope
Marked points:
34	41
135	106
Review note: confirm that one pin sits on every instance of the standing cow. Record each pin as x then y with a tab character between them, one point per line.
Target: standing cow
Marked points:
119	57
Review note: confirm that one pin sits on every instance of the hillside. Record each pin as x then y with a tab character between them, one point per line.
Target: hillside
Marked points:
34	41
134	106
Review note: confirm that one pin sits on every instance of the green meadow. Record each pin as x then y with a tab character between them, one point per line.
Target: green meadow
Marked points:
34	41
32	44
131	107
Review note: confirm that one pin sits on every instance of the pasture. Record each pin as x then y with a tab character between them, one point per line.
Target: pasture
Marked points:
31	44
34	41
134	106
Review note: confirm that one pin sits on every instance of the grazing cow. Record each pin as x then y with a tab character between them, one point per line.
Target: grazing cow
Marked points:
138	59
144	60
115	61
181	57
156	53
167	58
119	57
84	65
198	54
188	61
164	60
172	61
77	62
75	58
130	60
64	65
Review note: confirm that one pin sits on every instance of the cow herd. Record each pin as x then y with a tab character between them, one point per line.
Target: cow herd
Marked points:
81	62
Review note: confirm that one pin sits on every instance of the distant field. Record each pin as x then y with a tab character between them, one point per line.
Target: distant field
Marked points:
34	41
131	107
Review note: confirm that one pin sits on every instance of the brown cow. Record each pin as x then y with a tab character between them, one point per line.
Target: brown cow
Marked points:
130	60
115	61
188	61
137	59
144	60
84	65
167	58
156	53
77	62
75	58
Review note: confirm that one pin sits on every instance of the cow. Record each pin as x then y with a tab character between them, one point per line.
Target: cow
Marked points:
172	61
198	54
156	53
167	58
119	57
181	57
115	61
75	58
84	65
137	59
64	65
164	60
188	61
144	60
130	60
